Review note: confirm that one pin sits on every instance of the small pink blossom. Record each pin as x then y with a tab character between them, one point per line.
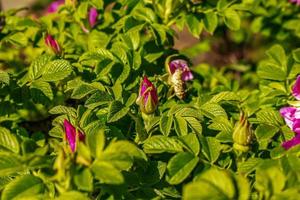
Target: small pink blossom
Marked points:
182	65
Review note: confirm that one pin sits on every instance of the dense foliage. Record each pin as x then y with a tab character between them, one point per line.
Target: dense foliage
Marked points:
96	103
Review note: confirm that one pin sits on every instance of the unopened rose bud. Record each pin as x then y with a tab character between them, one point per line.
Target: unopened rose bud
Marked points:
242	134
147	99
53	7
52	44
72	135
93	17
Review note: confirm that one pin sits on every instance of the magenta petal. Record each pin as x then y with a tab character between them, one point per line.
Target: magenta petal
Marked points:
296	89
93	15
183	65
53	7
296	127
291	143
288	113
187	75
70	134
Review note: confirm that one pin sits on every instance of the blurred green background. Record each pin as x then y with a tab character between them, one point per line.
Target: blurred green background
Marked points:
7	4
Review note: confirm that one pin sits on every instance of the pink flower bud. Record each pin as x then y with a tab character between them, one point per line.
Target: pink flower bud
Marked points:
147	99
295	2
72	134
52	43
53	7
93	15
181	65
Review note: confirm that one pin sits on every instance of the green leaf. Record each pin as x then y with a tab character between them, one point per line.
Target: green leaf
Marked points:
270	70
195	124
270	179
74	195
232	19
222	4
224	96
4	77
160	144
118	90
96	142
84	180
211	148
212	110
165	124
248	166
131	99
82	90
8	140
215	184
180	166
56	70
106	173
296	55
194	25
120	160
19	39
210	21
97	99
63	110
265	132
243	187
202	190
10	164
181	127
277	53
125	73
225	127
116	111
37	67
43	87
22	187
269	116
126	147
191	142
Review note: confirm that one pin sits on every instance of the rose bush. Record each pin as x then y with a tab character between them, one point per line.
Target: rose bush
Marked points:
97	103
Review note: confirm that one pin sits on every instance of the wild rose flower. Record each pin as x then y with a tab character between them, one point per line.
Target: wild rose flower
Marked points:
93	15
180	64
53	7
291	116
72	134
242	134
52	43
147	99
295	1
